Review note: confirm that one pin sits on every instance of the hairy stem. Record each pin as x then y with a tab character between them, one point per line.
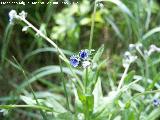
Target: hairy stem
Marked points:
123	77
44	36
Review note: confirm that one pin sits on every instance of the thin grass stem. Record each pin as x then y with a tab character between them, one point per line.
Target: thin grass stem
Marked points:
123	77
92	25
64	84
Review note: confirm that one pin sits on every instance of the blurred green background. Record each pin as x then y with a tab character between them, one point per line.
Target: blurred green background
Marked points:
68	25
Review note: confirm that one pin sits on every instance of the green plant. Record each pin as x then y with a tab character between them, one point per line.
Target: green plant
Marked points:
84	97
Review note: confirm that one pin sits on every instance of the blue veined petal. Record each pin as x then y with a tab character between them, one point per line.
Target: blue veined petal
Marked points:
84	54
155	102
74	61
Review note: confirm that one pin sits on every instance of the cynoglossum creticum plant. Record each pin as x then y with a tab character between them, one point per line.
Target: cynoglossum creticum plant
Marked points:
90	102
90	63
89	99
22	16
85	88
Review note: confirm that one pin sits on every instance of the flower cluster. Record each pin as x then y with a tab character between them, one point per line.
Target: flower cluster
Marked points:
153	48
13	15
128	58
82	57
144	52
156	102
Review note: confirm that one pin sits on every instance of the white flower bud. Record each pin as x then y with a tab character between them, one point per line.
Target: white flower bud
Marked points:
128	59
86	64
25	28
153	48
23	14
132	46
12	15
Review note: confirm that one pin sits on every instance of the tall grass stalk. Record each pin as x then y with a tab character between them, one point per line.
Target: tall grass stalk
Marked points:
39	107
92	25
123	77
32	91
64	84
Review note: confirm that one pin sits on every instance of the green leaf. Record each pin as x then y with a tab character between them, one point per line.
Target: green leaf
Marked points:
129	77
65	116
102	64
98	54
138	88
52	103
45	49
155	80
85	21
45	71
97	93
87	100
28	100
81	95
154	114
128	104
121	5
6	40
151	32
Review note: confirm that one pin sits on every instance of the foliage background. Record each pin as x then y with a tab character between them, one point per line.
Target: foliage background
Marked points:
69	27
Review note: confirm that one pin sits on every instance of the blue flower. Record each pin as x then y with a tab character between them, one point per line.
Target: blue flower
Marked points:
84	54
74	61
155	102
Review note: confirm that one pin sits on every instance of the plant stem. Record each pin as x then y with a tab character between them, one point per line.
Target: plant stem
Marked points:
86	93
44	36
123	77
86	80
144	93
92	25
23	72
64	84
146	70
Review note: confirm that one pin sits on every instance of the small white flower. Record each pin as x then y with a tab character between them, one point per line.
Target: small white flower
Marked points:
153	48
4	111
132	46
86	64
139	45
128	59
25	28
23	14
12	15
